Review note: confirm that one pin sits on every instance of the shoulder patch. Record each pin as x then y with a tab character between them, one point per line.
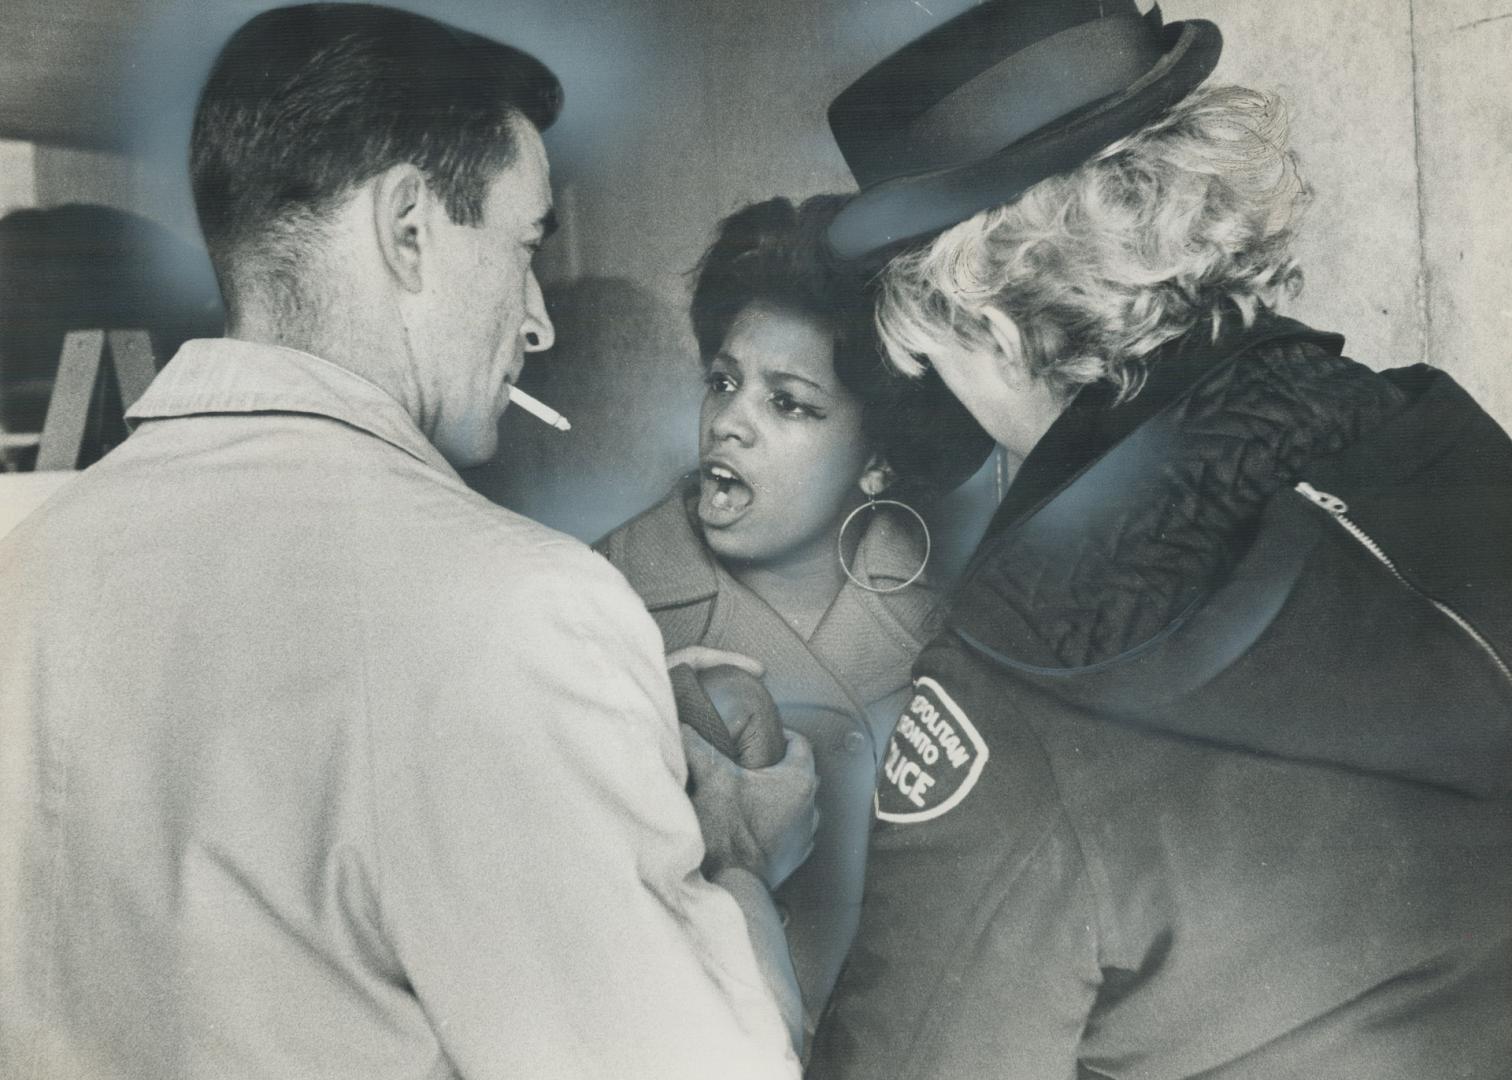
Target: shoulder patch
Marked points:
934	758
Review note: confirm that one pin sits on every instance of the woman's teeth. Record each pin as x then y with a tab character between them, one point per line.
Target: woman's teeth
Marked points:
728	491
725	478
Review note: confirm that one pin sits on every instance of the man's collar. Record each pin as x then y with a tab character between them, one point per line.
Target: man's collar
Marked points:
223	375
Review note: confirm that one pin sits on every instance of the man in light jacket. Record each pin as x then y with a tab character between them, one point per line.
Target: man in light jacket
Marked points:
312	761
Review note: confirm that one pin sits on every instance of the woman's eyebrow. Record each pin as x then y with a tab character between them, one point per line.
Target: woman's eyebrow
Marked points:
778	376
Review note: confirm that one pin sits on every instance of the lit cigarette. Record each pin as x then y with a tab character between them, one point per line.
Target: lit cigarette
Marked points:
541	412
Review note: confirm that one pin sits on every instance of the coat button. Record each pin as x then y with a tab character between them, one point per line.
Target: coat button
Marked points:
854	742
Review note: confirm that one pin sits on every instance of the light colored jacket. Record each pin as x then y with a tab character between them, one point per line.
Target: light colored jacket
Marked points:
315	763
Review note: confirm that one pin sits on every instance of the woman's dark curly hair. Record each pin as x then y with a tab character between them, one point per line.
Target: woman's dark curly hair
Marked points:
773	252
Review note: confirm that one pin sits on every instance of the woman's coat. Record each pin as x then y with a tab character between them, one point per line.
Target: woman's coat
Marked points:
843	689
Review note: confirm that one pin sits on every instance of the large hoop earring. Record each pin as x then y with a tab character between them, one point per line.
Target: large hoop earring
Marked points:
872	504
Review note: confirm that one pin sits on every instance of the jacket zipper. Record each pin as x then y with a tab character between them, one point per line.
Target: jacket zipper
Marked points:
1339	510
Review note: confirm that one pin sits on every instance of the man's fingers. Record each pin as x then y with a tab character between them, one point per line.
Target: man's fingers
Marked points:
702	756
813	833
799	759
800	752
699	657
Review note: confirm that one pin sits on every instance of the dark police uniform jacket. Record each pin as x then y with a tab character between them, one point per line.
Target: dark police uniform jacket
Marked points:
843	689
1208	773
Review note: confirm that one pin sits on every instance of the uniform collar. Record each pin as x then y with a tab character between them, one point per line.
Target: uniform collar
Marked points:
1095	422
224	375
1134	535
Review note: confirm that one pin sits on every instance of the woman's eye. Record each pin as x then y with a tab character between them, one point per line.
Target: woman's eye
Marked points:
789	406
719	382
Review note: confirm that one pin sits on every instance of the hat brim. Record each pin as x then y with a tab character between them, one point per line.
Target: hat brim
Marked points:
910	208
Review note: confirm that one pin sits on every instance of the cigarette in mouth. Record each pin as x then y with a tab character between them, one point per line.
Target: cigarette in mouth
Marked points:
541	412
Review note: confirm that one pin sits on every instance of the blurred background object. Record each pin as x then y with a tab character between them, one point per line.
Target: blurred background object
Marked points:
680	111
87	267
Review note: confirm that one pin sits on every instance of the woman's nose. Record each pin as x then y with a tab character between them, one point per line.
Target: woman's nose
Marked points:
732	420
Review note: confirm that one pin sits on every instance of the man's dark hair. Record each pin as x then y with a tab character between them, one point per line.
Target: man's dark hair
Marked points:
304	103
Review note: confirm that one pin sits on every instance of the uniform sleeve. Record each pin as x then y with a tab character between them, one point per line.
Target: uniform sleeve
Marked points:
538	859
977	953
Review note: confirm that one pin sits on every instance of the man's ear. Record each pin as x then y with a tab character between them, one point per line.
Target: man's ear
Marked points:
877	477
400	206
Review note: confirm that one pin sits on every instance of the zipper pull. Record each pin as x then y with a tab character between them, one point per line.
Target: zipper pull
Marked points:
1332	503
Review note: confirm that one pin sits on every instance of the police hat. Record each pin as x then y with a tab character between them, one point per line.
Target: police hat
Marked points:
1009	92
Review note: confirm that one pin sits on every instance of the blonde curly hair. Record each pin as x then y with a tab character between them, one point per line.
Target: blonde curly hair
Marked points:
1097	267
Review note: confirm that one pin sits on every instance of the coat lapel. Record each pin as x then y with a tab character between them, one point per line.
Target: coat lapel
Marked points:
860	653
870	639
666	562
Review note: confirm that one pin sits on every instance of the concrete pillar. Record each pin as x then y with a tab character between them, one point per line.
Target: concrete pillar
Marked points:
1345	70
1462	55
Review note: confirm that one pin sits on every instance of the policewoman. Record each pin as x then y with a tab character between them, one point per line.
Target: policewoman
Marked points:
774	549
1208	772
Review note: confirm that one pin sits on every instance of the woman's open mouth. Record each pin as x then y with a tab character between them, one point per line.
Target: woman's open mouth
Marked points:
723	495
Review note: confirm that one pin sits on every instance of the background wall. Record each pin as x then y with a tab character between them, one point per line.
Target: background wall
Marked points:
679	111
1402	114
1403	117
